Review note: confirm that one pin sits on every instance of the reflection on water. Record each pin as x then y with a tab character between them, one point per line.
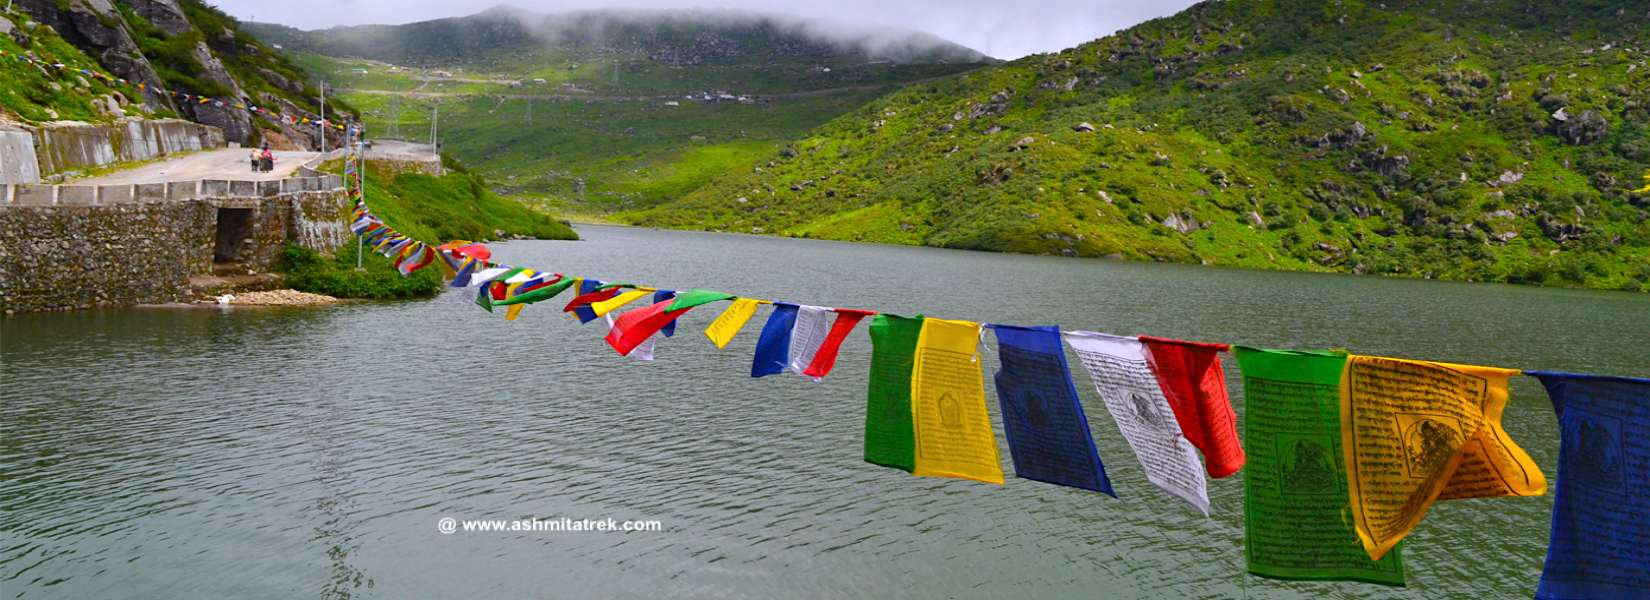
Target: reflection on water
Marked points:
293	452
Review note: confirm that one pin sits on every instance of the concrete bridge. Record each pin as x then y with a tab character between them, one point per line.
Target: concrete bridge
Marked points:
114	244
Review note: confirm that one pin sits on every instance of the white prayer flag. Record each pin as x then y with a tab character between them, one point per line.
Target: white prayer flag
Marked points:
1117	367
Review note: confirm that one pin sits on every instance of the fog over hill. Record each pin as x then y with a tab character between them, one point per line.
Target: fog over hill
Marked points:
675	37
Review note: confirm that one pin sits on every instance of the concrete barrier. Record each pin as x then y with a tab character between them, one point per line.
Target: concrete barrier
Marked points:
214	188
150	192
183	190
116	194
76	195
269	188
35	195
243	189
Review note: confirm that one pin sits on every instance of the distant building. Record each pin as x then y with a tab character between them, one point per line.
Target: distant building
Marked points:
442	74
358	71
540	81
673	103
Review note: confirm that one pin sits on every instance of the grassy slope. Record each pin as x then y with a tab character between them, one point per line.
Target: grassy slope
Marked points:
34	94
591	156
1233	114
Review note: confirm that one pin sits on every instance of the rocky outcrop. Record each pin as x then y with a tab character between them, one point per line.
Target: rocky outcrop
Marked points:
235	123
97	28
165	14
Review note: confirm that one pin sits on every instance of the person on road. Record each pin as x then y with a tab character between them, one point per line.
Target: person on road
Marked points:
268	159
255	162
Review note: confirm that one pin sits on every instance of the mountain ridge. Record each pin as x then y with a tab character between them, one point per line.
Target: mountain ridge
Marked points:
1485	141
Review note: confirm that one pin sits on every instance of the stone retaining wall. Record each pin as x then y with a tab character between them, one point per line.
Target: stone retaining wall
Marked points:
68	247
57	148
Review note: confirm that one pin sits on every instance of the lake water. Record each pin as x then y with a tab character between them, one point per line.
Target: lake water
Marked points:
289	453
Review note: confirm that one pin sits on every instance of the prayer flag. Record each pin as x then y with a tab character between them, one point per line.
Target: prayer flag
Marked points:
590	290
1048	434
635	327
825	358
603	307
539	294
952	428
1294	486
642	352
728	324
696	297
1600	544
812	323
1418	431
1195	385
661	296
773	349
1117	367
889	439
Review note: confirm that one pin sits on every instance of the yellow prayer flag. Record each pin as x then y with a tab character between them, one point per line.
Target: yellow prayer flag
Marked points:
728	324
612	304
513	311
953	430
1417	431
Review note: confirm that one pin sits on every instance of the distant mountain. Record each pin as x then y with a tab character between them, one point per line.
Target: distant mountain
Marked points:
673	37
597	111
1485	140
184	46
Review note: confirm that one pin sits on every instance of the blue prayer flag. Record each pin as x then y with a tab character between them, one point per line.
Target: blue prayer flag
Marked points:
1600	534
1048	434
661	296
773	349
585	313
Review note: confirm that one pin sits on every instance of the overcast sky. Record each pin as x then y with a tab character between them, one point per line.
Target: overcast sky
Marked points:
1005	29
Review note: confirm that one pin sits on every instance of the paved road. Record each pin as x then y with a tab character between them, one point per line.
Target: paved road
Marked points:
214	164
400	149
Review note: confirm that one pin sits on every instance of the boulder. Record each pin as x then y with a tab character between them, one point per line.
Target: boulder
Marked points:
1084	127
1581	129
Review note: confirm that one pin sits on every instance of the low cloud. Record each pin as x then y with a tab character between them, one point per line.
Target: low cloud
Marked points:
1000	28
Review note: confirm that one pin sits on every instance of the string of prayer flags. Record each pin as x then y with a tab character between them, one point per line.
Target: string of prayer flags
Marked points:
1416	431
889	436
660	296
638	326
728	324
1117	367
1048	434
1195	385
951	426
1600	543
825	357
773	348
1294	486
540	293
807	333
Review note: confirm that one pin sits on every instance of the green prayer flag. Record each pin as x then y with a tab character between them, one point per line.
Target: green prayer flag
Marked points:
889	438
484	298
1296	509
541	294
696	297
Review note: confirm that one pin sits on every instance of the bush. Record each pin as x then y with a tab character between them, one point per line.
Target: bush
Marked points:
309	271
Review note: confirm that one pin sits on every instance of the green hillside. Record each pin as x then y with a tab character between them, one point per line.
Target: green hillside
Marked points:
1486	141
593	112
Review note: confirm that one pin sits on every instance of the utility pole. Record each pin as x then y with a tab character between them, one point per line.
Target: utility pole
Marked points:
435	140
323	116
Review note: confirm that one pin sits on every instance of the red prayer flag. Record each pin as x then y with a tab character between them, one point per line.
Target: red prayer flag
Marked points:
825	359
634	327
1195	385
591	298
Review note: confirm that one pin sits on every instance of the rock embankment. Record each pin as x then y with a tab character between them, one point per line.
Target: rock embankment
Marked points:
276	298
